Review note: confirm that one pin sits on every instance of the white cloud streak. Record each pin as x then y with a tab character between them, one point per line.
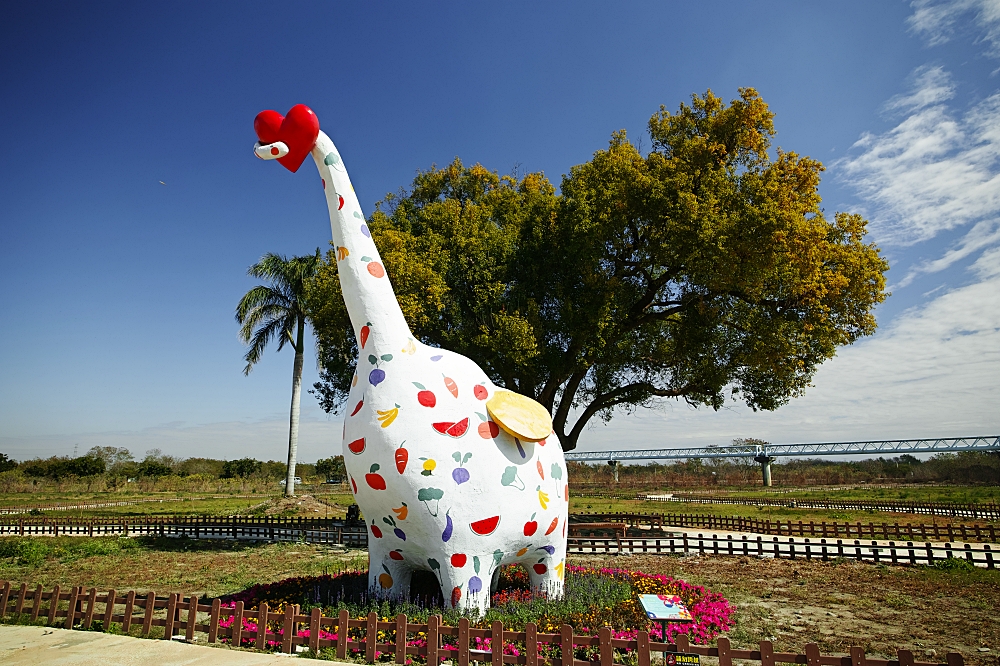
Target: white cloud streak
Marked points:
933	172
935	21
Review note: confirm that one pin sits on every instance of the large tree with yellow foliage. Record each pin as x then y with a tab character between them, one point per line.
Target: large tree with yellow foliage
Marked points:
704	271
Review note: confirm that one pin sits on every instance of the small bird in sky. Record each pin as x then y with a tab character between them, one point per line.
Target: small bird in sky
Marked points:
162	183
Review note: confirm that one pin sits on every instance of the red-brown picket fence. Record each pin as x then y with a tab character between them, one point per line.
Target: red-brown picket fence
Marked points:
810	528
291	629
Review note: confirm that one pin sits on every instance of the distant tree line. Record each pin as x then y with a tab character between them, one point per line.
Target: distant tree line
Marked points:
119	464
967	467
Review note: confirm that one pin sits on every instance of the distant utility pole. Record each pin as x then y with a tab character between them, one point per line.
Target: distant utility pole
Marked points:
75	446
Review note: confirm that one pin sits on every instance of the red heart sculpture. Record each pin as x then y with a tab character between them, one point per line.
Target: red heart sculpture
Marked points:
298	130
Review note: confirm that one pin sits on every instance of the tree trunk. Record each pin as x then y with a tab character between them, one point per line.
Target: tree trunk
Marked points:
293	426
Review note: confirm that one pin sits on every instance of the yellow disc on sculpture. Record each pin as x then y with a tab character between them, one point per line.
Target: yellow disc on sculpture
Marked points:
520	416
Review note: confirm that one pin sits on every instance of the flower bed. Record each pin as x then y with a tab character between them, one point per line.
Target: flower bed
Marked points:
594	598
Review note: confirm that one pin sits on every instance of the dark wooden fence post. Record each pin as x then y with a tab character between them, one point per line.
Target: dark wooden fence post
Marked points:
433	641
343	626
607	652
496	644
401	638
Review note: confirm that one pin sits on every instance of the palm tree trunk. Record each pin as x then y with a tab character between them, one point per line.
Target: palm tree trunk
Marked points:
293	426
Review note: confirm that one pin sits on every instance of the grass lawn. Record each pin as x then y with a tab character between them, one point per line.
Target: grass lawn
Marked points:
791	602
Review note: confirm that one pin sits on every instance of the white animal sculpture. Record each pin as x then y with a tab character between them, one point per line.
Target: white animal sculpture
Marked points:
454	475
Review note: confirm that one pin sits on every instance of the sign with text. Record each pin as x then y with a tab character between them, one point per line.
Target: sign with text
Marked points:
667	607
682	659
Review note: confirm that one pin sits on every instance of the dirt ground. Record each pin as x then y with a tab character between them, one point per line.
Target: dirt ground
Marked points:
301	506
837	605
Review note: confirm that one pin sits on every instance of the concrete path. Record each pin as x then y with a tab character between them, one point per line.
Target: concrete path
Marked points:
31	646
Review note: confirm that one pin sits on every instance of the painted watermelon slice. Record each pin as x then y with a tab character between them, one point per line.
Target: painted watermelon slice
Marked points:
486	526
451	428
357	447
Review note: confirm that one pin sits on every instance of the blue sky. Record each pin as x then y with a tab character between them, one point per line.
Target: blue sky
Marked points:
117	292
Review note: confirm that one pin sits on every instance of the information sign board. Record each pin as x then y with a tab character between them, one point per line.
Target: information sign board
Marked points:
667	607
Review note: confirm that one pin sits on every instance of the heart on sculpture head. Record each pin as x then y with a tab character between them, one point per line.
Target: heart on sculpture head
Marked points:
298	130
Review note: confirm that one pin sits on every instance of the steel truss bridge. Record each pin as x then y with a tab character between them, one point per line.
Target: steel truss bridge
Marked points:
765	454
942	445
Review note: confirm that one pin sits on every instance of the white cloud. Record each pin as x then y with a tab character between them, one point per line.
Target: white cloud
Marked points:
933	172
935	20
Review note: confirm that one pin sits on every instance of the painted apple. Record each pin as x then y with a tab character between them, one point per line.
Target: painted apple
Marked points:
480	392
531	526
376	531
373	479
458	560
540	568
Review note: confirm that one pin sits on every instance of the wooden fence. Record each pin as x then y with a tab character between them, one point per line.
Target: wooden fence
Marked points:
292	629
811	528
976	511
265	528
27	508
891	553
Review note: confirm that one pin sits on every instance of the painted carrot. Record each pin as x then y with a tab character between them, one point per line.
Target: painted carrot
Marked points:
552	527
366	330
402	457
450	384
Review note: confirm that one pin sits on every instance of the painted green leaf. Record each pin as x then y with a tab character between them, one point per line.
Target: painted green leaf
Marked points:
475	563
420	386
331	159
366	258
357	215
372	359
386	357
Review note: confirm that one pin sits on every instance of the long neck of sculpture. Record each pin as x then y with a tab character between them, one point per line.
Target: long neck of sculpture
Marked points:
368	293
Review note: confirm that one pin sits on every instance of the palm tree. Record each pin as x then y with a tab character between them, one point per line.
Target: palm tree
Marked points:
278	310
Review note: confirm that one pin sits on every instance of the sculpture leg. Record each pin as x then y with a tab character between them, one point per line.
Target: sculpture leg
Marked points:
388	578
547	577
464	589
